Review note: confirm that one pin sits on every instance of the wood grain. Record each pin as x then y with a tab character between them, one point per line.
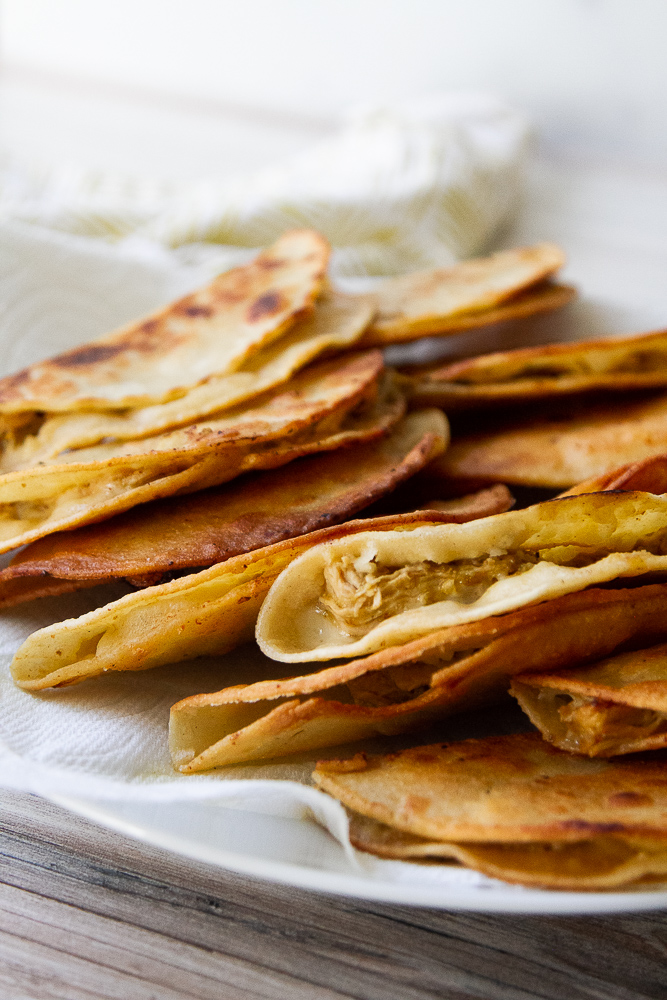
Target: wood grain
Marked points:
86	913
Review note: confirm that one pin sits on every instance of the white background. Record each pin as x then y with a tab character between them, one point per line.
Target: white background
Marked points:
592	73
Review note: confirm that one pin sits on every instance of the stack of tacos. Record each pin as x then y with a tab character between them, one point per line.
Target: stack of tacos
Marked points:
218	456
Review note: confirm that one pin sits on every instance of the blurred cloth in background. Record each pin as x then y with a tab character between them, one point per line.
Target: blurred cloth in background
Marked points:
400	188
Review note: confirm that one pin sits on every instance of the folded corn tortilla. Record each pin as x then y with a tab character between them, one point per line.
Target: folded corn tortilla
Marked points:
551	370
370	591
202	614
474	293
178	533
598	864
648	476
210	332
328	406
337	322
615	706
405	687
559	447
513	807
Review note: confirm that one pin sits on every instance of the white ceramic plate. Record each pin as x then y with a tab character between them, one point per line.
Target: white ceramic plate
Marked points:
264	847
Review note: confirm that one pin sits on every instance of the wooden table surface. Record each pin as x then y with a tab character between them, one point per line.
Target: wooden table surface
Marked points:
86	913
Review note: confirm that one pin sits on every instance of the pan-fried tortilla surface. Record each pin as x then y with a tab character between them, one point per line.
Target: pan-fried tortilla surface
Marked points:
210	332
470	294
600	863
494	499
648	476
213	525
364	593
406	687
202	614
553	369
542	298
336	323
329	406
503	789
562	449
615	706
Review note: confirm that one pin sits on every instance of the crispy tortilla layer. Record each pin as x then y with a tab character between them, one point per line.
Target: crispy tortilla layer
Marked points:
336	323
615	706
554	369
328	406
210	332
365	593
204	613
210	526
598	863
468	295
503	789
647	476
404	687
558	449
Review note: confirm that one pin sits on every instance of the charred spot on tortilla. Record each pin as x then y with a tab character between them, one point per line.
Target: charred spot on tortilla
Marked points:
266	305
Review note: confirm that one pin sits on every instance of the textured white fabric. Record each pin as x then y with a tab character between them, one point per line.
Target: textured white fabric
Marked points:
397	189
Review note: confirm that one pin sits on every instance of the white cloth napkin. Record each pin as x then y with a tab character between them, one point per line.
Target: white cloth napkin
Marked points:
398	189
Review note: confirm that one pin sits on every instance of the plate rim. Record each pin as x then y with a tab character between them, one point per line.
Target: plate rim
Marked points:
475	899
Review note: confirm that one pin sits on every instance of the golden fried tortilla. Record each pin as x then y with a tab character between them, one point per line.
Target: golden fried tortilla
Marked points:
551	370
327	406
406	687
513	807
586	865
335	324
474	293
364	593
560	449
202	614
648	476
615	706
213	525
210	332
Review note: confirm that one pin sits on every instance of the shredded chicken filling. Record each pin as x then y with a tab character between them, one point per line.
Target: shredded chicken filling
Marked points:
359	595
595	725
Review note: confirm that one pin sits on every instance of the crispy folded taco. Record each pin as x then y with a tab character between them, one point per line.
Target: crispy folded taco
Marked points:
551	370
325	407
561	447
178	533
512	807
336	323
507	285
210	332
616	706
204	613
408	686
369	591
